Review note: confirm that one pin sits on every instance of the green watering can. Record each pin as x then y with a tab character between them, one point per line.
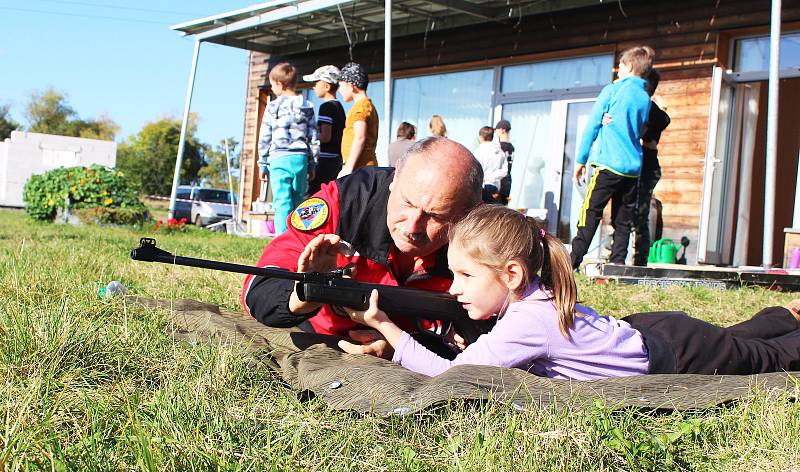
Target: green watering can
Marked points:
663	251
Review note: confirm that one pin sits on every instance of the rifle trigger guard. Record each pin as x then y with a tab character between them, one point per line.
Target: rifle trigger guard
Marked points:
439	328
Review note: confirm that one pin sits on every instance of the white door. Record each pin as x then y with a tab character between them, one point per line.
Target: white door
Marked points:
719	175
546	135
576	117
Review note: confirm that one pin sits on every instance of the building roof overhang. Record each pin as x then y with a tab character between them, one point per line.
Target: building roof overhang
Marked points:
285	27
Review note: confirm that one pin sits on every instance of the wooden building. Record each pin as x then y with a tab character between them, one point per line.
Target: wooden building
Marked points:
540	65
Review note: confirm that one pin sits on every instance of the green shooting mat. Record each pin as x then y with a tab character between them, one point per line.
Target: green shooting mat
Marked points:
313	363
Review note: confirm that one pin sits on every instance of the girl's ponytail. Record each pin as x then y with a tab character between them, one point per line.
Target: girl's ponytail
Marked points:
557	276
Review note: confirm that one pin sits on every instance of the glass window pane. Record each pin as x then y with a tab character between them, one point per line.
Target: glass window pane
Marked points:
463	99
718	188
567	73
531	146
752	54
572	195
214	196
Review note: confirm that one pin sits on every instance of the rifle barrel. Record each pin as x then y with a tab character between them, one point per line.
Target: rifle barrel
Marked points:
239	268
147	251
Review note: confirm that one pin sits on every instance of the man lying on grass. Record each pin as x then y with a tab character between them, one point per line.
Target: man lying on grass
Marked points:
508	268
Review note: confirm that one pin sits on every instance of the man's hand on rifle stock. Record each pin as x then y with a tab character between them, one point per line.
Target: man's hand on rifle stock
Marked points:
319	255
321	252
369	342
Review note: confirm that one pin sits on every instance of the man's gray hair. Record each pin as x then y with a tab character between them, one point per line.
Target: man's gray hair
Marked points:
471	179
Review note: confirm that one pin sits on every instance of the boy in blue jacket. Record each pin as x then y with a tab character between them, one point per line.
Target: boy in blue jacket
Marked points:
617	160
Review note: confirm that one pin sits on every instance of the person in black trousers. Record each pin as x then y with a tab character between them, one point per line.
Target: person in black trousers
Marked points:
680	344
657	122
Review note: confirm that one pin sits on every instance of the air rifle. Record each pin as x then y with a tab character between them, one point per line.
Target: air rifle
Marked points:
335	288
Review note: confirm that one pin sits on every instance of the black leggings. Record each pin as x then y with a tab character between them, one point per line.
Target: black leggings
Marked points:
680	344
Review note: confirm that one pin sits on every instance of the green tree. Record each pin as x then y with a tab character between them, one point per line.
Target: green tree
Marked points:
148	158
48	112
7	124
103	128
216	169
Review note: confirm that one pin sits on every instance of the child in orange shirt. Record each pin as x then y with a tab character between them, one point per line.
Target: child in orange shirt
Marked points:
360	135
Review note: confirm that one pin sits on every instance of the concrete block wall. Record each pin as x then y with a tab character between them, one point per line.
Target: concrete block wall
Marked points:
25	154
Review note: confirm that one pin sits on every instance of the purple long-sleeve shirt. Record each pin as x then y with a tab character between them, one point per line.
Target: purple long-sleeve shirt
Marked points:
528	337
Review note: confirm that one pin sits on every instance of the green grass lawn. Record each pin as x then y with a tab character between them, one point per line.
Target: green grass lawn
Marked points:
86	383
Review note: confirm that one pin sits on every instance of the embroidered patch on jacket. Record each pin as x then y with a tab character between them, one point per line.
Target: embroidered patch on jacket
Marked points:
310	215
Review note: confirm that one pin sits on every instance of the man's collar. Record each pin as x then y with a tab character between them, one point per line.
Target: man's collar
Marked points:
364	196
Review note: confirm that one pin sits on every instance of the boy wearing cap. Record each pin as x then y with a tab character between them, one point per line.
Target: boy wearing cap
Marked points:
360	136
330	125
501	132
493	162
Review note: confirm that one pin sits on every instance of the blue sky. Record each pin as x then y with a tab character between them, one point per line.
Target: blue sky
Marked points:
120	58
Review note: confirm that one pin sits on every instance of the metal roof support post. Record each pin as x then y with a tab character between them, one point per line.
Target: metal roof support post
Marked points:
387	77
234	213
772	134
184	126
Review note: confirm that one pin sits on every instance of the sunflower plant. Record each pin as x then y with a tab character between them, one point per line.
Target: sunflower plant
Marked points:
77	188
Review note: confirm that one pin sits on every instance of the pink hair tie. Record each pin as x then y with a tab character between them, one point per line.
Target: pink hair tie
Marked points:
542	232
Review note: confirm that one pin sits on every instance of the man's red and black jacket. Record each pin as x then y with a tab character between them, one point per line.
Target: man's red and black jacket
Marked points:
356	206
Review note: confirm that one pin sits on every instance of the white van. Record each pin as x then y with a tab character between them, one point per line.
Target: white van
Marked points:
203	206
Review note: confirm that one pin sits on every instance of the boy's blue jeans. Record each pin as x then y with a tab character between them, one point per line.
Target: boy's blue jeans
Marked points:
288	176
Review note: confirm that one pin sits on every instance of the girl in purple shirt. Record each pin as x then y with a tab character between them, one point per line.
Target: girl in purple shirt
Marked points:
505	266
